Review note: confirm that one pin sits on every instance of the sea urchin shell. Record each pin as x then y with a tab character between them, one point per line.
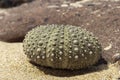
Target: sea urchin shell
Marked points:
62	46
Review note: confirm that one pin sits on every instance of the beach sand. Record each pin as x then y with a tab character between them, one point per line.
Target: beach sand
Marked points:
14	65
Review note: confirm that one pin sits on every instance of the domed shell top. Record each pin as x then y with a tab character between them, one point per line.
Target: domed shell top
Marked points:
62	46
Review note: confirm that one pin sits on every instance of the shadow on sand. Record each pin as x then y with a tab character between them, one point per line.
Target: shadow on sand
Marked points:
101	65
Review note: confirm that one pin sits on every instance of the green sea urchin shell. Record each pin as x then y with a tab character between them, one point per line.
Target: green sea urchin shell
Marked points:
62	46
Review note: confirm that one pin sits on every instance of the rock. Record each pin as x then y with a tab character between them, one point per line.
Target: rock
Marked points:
18	21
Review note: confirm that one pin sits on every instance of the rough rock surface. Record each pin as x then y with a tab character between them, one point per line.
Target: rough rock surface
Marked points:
15	22
15	66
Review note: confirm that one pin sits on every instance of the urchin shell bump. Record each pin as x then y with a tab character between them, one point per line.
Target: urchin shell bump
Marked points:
62	46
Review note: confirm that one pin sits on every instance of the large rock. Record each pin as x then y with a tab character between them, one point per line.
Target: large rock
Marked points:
15	22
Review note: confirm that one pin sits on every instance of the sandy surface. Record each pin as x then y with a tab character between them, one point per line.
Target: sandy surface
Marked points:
14	65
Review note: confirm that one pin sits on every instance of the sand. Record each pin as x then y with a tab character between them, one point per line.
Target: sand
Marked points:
14	65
